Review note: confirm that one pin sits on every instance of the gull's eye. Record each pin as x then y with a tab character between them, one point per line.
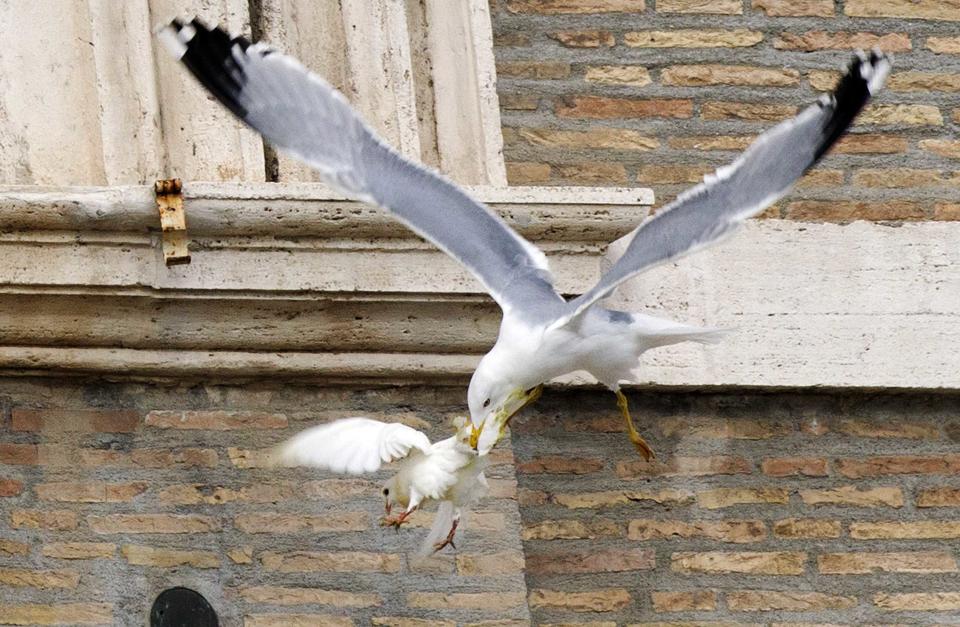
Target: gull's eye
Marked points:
386	492
486	403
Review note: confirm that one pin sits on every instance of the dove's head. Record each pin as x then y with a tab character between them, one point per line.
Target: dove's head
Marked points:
394	494
493	400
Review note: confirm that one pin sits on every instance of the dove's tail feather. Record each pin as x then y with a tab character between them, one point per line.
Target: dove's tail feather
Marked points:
442	522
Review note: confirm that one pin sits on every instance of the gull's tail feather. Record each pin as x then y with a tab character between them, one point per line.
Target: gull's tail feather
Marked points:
442	522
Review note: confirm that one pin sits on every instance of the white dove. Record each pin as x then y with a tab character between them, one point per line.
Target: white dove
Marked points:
449	471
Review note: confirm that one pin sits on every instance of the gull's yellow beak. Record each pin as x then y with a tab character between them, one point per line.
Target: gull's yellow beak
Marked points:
475	436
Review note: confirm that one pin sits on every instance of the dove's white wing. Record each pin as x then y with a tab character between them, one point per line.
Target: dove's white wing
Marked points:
351	445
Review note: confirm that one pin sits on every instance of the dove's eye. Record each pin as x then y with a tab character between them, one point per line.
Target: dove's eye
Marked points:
486	403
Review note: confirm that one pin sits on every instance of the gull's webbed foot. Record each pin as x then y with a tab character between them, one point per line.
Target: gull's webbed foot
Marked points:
449	539
641	445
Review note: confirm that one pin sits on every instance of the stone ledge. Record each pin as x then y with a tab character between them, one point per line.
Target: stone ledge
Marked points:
353	297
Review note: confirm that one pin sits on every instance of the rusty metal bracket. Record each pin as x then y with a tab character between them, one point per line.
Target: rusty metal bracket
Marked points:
173	221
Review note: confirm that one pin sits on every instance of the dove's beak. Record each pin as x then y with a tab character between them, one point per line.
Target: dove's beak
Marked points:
475	436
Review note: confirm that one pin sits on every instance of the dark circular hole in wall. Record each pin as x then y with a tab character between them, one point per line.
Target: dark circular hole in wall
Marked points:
182	607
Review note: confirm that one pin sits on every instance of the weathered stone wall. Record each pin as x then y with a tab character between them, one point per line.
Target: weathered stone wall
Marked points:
761	509
656	93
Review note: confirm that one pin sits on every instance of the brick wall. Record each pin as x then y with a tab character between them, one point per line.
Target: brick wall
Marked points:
110	494
761	510
656	93
777	509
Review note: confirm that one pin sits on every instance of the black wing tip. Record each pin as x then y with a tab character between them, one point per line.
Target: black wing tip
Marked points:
209	54
864	77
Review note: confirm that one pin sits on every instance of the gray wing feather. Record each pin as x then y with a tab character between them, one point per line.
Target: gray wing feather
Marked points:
760	176
303	115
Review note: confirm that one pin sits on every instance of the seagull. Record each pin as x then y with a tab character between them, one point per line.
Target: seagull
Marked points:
542	334
449	471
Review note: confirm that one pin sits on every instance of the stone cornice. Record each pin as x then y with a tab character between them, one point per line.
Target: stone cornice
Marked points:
295	283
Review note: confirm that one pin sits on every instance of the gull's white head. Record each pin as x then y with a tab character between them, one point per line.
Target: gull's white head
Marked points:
493	400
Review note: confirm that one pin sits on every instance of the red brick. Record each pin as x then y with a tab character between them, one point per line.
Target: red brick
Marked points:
552	7
10	487
850	210
584	38
672	174
12	547
18	454
598	107
90	491
898	465
719	498
865	563
946	211
691	38
880	496
795	467
590	173
861	144
722	530
56	519
919	601
57	613
152	523
330	561
613	498
761	111
713	74
887	429
571	529
746	562
823	40
910	9
215	420
678	466
559	464
590	561
526	173
797	528
939	497
721	428
541	70
670	601
603	600
795	8
716	7
275	522
905	530
944	45
795	601
75	420
170	458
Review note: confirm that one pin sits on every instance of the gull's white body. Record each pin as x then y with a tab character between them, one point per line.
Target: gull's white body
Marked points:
605	343
447	471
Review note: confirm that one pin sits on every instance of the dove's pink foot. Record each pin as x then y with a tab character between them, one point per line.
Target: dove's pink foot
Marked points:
449	539
396	521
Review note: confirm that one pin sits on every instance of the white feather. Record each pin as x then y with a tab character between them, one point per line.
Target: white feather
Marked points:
352	445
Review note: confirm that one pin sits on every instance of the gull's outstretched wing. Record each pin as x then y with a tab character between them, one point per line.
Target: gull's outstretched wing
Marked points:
351	445
302	114
760	176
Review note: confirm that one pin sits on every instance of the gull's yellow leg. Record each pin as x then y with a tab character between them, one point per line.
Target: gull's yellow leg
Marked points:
635	437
